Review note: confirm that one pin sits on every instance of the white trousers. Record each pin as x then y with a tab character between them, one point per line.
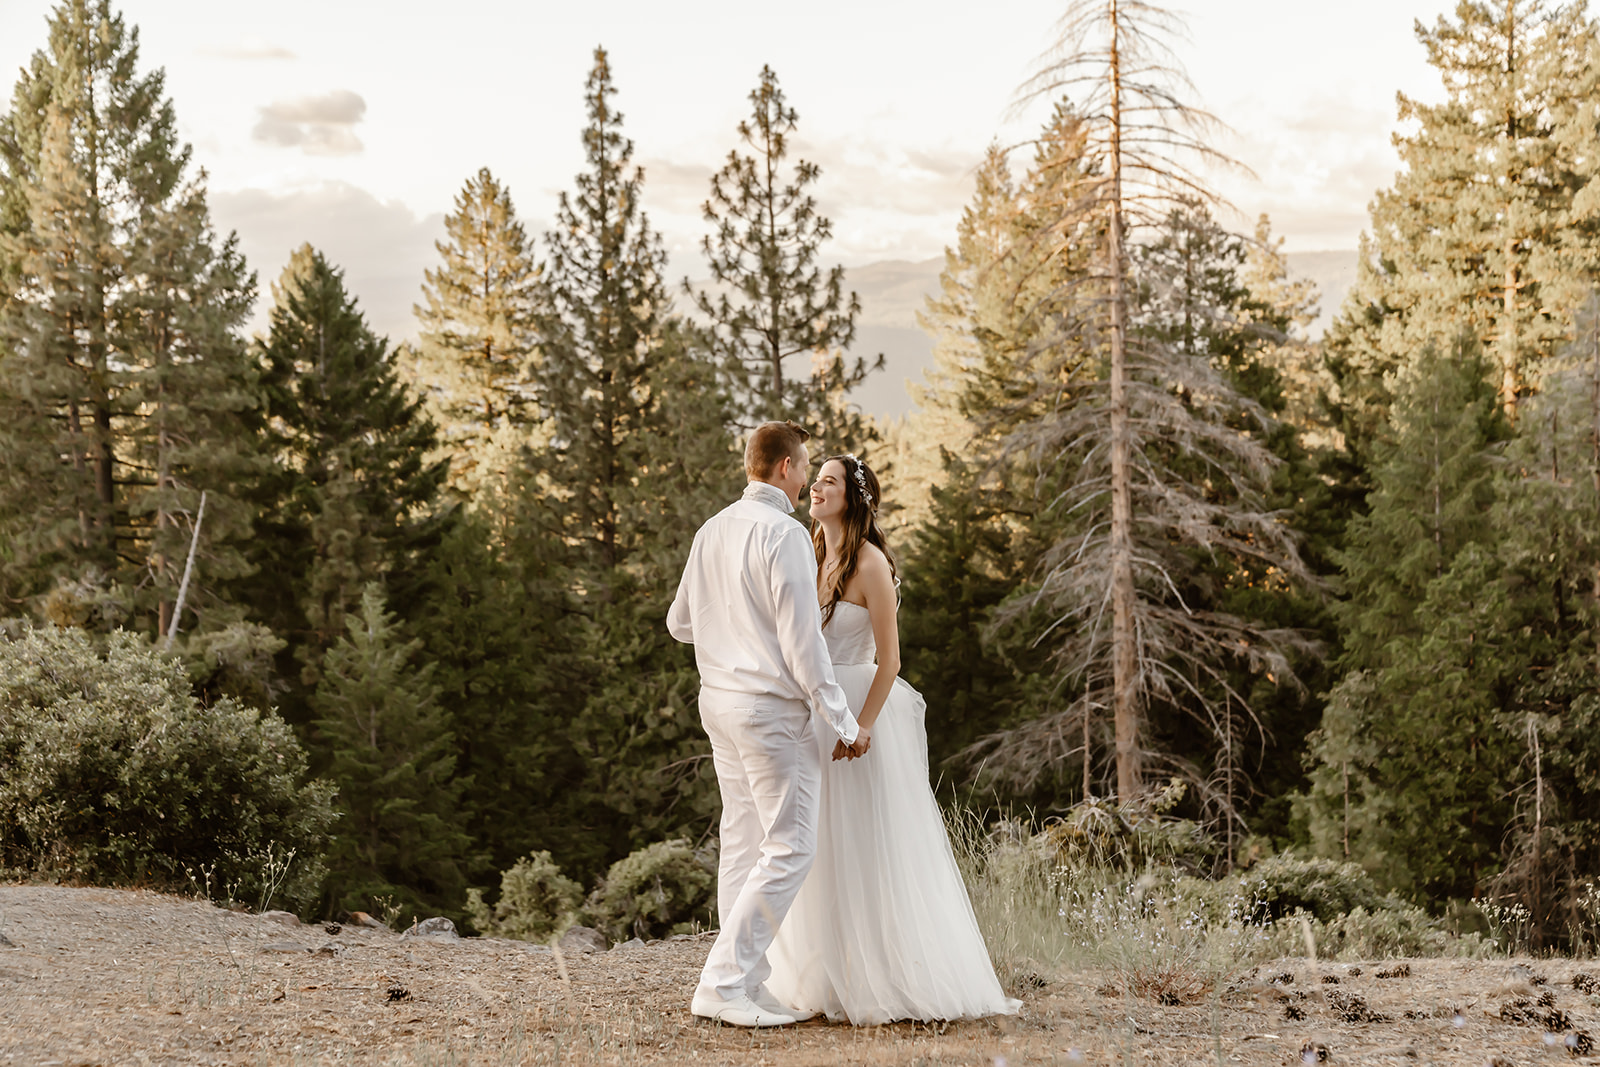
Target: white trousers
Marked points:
770	775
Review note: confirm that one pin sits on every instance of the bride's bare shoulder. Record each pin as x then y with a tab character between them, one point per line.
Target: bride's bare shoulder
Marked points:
872	564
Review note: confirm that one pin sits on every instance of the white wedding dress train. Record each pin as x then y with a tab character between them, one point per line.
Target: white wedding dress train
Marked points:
882	928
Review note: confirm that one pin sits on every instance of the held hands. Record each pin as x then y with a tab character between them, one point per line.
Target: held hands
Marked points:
854	751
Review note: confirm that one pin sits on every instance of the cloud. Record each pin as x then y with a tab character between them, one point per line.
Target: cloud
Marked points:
383	247
246	52
317	125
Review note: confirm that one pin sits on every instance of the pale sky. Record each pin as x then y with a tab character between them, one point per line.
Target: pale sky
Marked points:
353	125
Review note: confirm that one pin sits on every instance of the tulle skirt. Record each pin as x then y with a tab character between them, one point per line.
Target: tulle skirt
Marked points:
882	928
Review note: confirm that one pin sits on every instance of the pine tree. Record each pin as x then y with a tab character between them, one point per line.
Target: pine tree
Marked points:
1477	233
390	750
1410	755
475	355
600	332
353	500
772	306
639	439
126	393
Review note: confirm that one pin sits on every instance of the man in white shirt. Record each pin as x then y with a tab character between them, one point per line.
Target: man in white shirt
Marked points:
748	604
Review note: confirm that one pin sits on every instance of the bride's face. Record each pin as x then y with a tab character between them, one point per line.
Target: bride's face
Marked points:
827	492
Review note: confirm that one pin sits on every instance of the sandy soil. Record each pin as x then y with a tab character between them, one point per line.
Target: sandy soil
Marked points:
95	976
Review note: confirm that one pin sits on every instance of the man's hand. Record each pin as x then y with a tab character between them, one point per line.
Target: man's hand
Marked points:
841	751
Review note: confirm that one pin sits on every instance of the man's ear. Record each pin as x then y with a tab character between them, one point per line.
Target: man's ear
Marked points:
782	469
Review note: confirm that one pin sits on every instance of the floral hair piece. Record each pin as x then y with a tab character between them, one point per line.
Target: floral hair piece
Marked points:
861	478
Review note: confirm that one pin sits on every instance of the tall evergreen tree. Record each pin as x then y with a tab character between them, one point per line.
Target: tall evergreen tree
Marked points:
1410	756
773	306
390	751
475	354
639	445
353	498
1478	232
125	391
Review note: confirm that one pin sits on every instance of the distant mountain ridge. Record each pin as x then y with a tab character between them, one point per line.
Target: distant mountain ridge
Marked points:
894	291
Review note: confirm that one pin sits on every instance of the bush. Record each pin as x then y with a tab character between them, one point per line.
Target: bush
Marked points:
661	889
111	772
1280	885
1141	833
536	902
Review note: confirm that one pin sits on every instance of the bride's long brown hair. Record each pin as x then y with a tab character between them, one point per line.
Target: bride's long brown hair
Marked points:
859	526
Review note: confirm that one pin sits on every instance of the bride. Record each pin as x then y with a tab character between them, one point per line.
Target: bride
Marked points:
882	928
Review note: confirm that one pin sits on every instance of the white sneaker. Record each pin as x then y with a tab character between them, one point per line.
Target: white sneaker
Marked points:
740	1012
767	1002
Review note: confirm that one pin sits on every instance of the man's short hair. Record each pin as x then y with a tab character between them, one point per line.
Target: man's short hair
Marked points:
770	443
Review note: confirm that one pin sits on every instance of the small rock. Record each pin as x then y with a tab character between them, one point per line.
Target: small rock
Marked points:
284	946
6	942
286	918
332	948
361	918
580	939
1498	1061
630	945
437	927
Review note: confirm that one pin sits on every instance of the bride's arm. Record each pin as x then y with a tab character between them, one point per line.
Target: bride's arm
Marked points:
877	588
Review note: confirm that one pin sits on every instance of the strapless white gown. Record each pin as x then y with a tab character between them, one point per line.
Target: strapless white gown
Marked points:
882	928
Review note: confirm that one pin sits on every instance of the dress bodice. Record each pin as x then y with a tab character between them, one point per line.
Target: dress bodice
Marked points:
849	634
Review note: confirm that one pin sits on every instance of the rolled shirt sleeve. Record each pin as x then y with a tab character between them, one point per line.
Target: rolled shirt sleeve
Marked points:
799	623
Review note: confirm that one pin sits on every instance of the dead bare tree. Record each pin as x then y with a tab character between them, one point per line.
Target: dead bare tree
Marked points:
1145	450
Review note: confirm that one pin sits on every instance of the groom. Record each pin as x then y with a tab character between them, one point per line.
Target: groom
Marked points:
748	604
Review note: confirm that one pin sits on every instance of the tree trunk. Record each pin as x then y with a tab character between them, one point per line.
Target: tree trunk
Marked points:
1124	652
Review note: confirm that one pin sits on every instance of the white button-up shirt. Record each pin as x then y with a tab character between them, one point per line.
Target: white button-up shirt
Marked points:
748	604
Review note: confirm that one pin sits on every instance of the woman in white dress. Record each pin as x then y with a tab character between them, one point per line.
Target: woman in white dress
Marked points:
882	928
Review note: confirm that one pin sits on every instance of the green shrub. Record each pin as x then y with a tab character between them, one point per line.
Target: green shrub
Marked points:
536	902
1327	889
661	889
111	772
1141	833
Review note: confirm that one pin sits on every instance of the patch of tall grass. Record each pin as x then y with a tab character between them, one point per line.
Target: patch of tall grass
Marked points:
1121	891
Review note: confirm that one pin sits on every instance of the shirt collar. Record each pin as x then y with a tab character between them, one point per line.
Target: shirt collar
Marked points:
768	493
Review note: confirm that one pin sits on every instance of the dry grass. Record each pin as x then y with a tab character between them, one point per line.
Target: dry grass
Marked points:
98	976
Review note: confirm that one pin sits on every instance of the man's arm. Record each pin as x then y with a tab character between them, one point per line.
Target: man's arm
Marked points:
680	619
799	621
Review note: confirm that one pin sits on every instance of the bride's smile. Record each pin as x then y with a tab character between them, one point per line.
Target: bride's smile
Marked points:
827	492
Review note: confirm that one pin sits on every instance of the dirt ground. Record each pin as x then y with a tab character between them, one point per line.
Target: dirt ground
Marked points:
96	976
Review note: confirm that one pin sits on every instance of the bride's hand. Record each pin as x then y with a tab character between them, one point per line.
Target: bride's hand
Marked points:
863	742
841	751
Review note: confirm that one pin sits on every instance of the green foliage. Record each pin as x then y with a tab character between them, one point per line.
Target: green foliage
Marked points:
775	307
351	500
536	903
1410	757
390	750
1280	885
1484	231
659	890
124	389
111	772
474	359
